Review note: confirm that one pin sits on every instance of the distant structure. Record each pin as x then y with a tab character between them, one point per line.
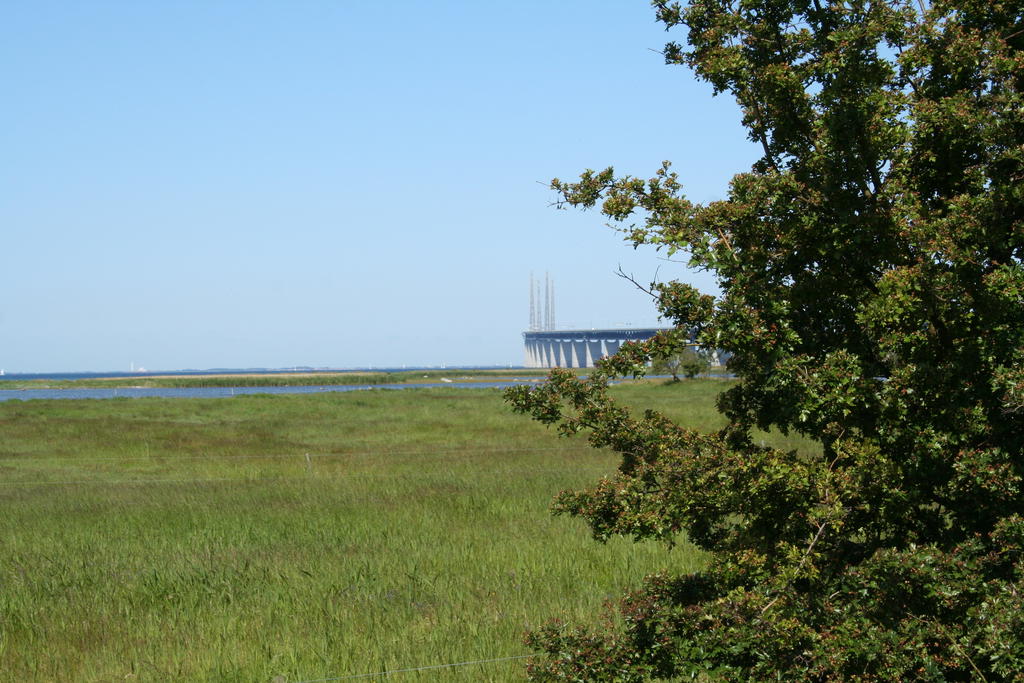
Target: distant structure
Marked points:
578	348
548	347
542	311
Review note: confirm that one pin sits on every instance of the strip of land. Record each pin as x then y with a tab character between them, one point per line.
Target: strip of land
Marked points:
274	379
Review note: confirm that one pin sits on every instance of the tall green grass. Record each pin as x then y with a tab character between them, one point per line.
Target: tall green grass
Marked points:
186	539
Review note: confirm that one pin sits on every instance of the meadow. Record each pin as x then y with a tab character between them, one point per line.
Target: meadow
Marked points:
300	537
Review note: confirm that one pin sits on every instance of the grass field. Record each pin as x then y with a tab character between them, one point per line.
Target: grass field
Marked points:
194	540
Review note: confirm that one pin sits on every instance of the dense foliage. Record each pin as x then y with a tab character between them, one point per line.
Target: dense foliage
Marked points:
870	265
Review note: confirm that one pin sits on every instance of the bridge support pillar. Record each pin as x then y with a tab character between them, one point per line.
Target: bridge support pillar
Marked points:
577	348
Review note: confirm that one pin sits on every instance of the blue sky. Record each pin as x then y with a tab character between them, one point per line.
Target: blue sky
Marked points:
196	184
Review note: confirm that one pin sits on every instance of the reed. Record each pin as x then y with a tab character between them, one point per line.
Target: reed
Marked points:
188	539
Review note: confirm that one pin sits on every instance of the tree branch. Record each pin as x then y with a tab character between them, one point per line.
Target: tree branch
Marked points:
621	273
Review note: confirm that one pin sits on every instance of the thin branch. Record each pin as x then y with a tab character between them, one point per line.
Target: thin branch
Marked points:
762	138
803	560
953	642
621	273
807	553
728	244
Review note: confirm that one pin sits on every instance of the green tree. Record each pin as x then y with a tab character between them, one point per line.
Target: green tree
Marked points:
870	265
688	362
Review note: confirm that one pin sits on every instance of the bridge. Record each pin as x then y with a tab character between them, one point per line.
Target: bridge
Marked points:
547	347
578	348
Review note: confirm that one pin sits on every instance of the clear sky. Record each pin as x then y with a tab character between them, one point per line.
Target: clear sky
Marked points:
341	183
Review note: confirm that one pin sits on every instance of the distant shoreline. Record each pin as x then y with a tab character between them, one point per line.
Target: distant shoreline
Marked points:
244	373
265	378
235	372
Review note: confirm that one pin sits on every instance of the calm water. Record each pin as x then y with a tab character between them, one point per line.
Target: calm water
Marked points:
232	371
227	392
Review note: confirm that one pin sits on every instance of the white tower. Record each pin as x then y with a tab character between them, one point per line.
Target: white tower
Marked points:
542	308
533	306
